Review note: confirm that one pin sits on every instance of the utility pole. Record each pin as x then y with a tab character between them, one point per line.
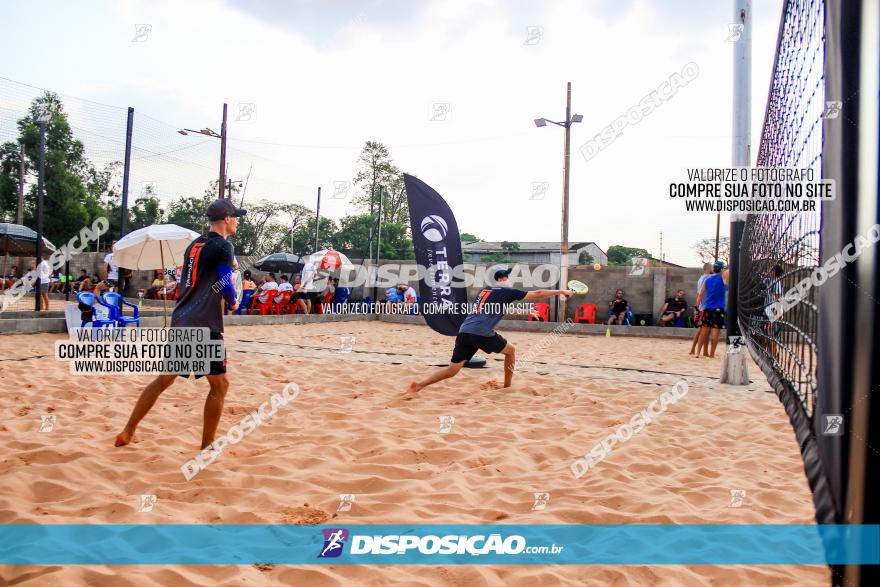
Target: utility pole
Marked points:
19	217
563	302
222	183
734	371
43	120
318	219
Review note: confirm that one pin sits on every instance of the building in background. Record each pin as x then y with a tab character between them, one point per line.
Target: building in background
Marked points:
532	252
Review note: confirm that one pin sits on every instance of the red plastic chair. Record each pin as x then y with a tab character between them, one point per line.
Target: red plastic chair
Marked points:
264	307
283	306
586	313
326	299
543	310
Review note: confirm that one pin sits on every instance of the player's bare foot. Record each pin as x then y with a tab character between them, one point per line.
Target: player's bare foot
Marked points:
411	390
123	438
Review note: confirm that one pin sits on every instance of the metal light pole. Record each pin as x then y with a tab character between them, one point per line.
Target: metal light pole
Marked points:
42	121
318	219
223	153
19	217
563	245
734	370
221	185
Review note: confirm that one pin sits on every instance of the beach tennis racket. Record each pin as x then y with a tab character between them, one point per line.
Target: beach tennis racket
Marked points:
237	283
578	287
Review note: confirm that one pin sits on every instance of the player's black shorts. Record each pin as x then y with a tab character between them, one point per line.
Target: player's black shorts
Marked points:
466	345
217	367
713	317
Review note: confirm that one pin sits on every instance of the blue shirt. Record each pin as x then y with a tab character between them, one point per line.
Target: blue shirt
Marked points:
716	292
392	295
489	308
700	282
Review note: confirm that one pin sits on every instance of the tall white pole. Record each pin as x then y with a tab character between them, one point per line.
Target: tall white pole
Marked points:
734	370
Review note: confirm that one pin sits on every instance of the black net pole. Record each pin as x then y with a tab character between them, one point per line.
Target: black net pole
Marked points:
126	176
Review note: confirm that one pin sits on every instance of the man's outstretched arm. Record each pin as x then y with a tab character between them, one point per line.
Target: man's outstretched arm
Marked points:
548	293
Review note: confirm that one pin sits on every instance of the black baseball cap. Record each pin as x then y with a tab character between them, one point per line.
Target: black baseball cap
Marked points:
220	209
502	273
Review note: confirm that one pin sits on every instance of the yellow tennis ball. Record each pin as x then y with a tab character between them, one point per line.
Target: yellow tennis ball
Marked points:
597	267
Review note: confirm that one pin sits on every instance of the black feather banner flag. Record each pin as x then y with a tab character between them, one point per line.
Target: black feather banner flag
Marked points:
438	249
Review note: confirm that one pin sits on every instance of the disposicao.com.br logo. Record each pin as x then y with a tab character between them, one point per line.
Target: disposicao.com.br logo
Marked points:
430	544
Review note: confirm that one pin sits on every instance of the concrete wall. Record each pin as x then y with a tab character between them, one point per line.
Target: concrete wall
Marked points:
645	292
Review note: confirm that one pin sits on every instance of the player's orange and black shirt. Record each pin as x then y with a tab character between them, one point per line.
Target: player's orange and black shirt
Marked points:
206	280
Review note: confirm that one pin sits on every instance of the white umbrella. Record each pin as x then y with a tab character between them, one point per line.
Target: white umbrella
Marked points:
152	247
330	260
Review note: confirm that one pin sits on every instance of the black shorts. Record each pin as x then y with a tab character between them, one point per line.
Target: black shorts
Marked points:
466	345
312	296
217	367
713	317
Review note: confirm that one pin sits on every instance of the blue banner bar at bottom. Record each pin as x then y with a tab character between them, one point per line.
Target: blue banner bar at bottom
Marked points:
456	544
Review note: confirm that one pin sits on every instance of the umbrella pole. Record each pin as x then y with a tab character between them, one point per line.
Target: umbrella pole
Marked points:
165	287
5	261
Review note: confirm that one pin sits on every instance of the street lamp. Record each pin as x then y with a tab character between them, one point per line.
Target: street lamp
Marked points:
44	116
563	247
222	136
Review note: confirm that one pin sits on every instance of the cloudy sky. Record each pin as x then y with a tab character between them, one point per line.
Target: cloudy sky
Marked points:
451	87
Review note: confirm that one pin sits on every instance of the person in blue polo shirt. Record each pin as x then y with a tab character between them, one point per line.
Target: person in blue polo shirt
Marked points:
713	297
477	332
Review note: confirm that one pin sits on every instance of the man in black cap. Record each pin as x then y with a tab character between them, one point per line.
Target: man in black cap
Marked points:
208	262
477	332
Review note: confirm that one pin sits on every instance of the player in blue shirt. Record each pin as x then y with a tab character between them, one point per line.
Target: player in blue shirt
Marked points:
478	330
712	298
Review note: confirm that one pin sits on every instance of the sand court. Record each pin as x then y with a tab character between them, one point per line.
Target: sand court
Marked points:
462	451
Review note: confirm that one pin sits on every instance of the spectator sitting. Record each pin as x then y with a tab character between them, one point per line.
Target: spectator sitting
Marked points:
268	285
283	286
247	281
152	292
617	309
407	295
86	284
673	309
167	292
77	284
54	281
391	296
10	278
99	286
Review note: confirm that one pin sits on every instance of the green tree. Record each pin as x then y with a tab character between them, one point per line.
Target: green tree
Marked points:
67	205
304	235
376	169
10	158
620	255
509	247
585	258
190	212
353	238
705	249
467	237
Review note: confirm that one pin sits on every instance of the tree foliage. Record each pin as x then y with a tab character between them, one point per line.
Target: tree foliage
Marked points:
620	255
585	258
705	249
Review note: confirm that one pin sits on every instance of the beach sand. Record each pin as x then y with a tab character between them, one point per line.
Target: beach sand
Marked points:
348	432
